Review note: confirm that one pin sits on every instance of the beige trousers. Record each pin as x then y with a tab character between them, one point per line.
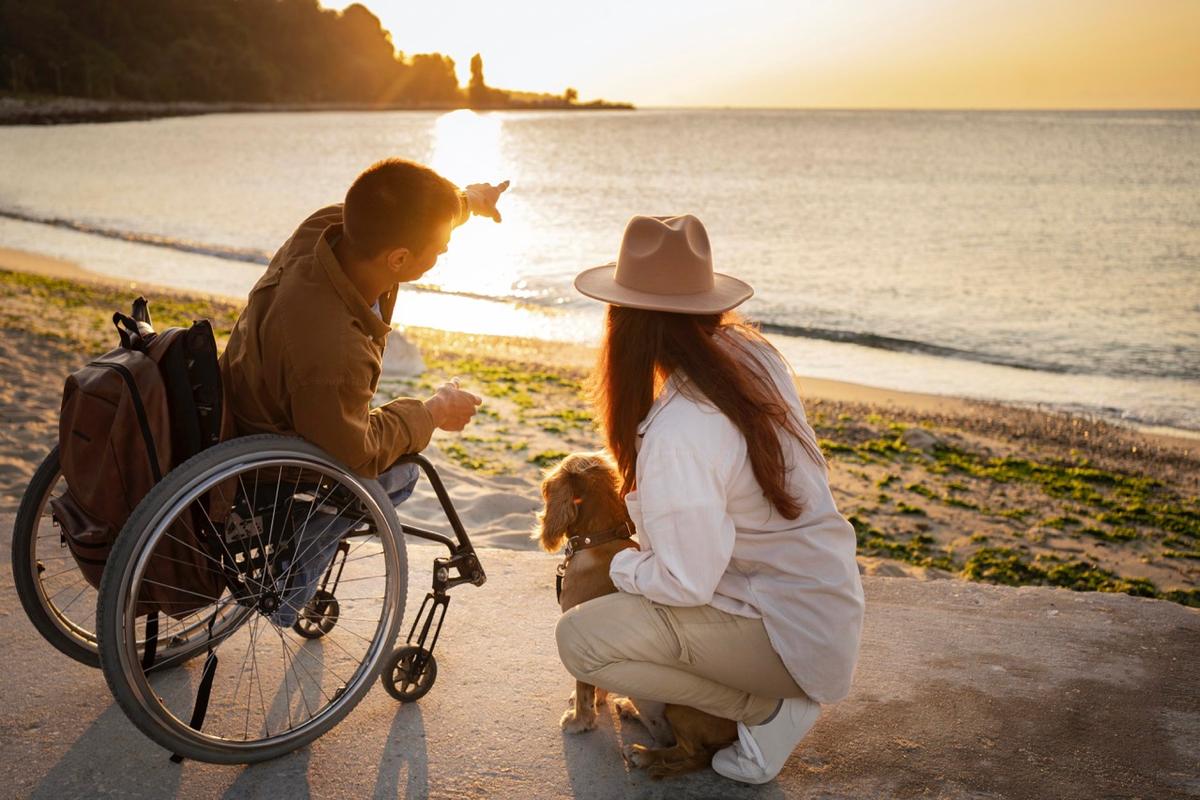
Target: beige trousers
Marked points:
702	657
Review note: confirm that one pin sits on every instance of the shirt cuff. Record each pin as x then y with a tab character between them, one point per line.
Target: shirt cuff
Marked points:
464	208
622	568
415	417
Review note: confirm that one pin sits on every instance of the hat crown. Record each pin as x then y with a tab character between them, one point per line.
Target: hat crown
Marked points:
665	255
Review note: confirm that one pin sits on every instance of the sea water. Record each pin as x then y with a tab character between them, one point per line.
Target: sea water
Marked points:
1034	257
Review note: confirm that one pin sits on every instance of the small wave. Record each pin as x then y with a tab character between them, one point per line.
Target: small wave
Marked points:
898	345
181	245
244	255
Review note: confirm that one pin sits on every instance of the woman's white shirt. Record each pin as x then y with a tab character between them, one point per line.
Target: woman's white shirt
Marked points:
709	536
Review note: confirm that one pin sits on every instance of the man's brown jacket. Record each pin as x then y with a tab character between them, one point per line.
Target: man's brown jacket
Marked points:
304	357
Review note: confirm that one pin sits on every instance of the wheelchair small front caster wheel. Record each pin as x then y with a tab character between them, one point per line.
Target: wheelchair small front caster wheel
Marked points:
318	617
401	678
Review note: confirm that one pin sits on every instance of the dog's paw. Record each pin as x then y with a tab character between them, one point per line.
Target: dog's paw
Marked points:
636	754
574	724
601	697
625	708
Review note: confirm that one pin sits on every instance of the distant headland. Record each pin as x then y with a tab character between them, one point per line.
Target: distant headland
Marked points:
150	58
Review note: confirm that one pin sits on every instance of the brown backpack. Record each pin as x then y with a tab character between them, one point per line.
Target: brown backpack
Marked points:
129	417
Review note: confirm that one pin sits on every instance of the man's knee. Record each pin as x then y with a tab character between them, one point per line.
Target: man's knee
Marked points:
399	481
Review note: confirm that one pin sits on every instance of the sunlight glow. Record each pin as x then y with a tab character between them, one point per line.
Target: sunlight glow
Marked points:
483	256
822	53
470	315
466	146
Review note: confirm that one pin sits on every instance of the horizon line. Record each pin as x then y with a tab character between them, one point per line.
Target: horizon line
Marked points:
731	107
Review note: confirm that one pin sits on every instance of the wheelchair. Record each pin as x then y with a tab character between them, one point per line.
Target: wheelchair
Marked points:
303	598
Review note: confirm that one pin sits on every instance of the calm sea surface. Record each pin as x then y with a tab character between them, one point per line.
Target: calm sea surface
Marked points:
1024	256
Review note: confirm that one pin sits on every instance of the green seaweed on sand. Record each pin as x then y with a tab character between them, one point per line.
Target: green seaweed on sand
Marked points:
916	550
1120	534
459	455
1121	499
958	502
1007	566
1060	522
1181	554
923	490
1186	597
547	458
81	313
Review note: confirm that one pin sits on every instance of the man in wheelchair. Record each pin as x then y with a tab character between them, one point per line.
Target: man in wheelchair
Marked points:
231	551
304	357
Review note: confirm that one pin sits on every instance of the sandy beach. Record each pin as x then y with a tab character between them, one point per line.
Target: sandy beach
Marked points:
937	487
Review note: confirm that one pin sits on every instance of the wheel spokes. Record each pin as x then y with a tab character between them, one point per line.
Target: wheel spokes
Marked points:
274	676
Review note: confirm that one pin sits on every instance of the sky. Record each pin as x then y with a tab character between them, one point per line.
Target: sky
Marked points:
821	53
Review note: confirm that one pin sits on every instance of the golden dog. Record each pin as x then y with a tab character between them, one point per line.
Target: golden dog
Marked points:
584	508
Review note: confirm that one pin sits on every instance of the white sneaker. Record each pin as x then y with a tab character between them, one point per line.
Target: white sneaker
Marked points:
761	750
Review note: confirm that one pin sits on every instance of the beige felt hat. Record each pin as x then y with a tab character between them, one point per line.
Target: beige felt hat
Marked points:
665	264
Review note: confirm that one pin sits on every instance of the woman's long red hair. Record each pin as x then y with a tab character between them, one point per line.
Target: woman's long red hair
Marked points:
642	348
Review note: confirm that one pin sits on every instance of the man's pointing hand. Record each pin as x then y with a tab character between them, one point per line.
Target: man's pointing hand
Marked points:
482	198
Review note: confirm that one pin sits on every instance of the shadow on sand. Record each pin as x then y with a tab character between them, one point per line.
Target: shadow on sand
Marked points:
404	757
81	773
597	768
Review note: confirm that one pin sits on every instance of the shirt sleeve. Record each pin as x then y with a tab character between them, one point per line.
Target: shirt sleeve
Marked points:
338	418
687	535
464	209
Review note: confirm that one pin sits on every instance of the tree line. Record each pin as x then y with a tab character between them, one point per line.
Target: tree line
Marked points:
253	51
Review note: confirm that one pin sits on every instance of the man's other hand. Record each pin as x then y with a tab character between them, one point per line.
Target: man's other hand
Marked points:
482	199
451	408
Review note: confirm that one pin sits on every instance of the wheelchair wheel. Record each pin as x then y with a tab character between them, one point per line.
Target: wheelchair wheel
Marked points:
56	597
59	602
402	680
264	510
318	617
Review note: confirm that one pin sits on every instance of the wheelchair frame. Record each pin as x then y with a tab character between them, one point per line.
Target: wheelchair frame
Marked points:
409	672
462	559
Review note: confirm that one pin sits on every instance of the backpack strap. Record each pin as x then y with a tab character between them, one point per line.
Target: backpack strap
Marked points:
128	330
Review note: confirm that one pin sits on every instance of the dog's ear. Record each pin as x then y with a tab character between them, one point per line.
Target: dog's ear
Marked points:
560	510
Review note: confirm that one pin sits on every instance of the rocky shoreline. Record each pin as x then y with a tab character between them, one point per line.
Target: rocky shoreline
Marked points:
75	110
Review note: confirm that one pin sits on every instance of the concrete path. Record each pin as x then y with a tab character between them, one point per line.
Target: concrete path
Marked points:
962	691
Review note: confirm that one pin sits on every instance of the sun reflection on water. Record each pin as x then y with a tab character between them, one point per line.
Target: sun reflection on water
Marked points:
482	259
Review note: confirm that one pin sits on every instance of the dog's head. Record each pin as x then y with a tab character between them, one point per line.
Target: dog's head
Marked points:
582	483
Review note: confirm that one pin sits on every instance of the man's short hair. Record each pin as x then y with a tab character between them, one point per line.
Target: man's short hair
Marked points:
396	203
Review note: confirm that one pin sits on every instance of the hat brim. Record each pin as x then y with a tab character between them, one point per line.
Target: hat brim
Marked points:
599	283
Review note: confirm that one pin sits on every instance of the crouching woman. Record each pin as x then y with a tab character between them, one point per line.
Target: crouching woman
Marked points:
744	600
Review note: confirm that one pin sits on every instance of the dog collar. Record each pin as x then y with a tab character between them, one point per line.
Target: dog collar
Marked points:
584	541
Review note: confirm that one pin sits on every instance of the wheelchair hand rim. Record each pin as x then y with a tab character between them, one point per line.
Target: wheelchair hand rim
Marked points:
133	573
